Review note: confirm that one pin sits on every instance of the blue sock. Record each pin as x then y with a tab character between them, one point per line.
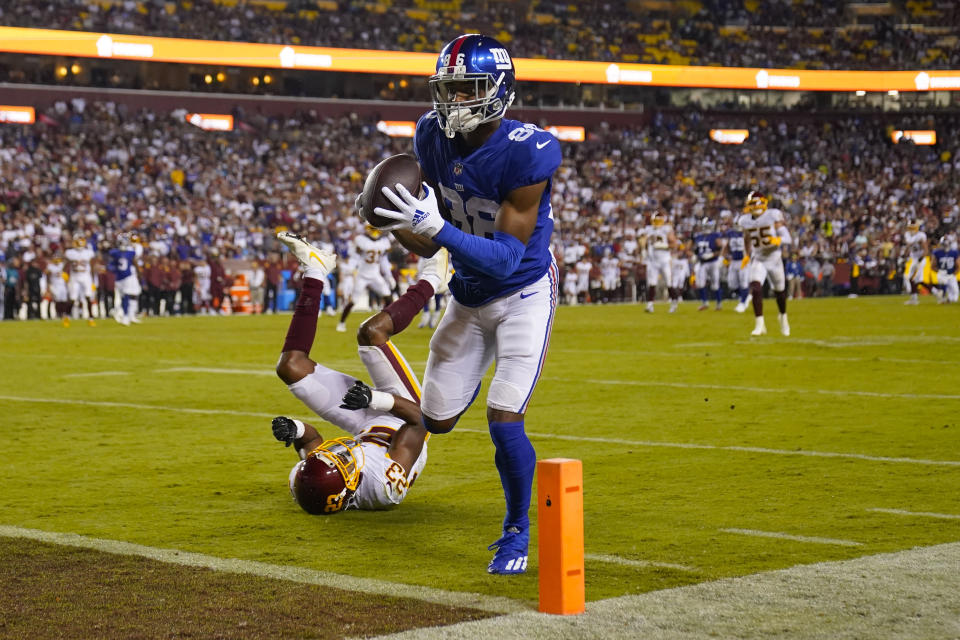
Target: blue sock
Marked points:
703	294
718	294
516	461
125	304
743	294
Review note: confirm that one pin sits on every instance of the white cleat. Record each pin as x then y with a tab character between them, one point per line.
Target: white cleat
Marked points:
760	329
135	319
784	325
436	269
673	307
123	320
308	255
649	307
912	300
741	307
342	327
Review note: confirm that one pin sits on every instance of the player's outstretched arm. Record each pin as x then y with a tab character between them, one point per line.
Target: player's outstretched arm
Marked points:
497	257
304	437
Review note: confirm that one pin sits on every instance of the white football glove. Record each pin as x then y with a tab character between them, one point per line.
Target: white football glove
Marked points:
420	216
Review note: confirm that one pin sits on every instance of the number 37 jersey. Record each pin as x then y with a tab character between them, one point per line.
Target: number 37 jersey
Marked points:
760	231
474	183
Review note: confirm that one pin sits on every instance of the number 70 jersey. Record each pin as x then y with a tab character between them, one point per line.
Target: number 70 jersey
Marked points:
760	231
473	183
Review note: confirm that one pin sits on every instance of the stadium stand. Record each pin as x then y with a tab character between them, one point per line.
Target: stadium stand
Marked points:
193	195
808	34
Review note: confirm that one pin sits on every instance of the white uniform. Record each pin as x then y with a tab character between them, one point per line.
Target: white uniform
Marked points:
462	349
583	275
347	275
81	280
765	257
658	254
915	241
679	272
370	254
570	286
384	482
610	272
202	289
55	281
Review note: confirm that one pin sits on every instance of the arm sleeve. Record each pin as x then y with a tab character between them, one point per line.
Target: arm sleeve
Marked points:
498	258
784	234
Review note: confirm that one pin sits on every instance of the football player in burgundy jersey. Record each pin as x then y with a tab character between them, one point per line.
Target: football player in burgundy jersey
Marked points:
386	450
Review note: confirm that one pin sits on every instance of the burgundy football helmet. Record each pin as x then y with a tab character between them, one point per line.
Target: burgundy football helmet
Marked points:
326	480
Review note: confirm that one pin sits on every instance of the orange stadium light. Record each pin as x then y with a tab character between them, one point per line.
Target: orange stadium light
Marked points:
729	136
568	134
17	115
78	44
211	121
921	136
397	128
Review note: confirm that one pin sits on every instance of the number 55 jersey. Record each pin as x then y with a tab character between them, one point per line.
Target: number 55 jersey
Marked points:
473	183
761	231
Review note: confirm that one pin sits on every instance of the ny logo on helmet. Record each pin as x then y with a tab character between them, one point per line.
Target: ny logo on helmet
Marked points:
501	57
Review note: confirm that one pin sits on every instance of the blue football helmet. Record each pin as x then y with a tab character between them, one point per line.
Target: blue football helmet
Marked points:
482	61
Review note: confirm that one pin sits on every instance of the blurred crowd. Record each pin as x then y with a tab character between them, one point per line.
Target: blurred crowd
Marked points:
779	33
103	175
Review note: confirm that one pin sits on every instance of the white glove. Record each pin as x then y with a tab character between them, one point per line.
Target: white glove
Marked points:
420	216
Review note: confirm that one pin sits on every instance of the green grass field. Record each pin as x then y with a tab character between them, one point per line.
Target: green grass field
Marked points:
694	437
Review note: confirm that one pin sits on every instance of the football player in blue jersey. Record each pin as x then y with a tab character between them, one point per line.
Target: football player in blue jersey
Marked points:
707	244
736	274
494	176
945	257
123	265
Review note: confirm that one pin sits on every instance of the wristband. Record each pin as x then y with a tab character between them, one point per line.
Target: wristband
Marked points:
300	429
380	401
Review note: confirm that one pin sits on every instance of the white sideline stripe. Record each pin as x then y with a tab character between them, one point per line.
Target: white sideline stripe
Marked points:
748	356
788	536
921	514
554	436
146	407
906	594
713	447
244	372
96	373
725	387
279	572
627	562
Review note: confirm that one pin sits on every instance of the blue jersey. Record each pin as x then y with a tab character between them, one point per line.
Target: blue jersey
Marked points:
707	246
474	183
735	242
946	259
121	262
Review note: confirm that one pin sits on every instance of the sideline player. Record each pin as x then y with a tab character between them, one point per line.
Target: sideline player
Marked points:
122	263
946	257
736	274
764	232
708	245
386	450
917	248
57	287
680	275
373	271
659	240
495	176
80	284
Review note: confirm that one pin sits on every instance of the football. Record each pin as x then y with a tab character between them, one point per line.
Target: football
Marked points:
401	168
